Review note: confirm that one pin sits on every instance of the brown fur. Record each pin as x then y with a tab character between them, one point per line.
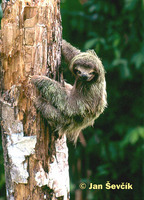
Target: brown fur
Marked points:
70	109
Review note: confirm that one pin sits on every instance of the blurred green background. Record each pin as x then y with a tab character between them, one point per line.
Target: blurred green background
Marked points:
112	150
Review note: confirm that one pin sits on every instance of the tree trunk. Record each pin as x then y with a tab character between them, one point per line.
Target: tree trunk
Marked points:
36	162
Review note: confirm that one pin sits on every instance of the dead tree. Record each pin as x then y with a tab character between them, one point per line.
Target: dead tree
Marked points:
36	161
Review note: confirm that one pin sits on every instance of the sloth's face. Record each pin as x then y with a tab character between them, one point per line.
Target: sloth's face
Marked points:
85	73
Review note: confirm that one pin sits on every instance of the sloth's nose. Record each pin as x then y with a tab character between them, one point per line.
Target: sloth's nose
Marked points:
84	77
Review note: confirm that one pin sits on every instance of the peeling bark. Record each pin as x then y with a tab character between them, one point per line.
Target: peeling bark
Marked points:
36	162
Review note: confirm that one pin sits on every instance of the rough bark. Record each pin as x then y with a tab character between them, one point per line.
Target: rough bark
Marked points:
36	162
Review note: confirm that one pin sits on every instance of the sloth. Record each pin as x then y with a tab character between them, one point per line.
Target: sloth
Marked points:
69	109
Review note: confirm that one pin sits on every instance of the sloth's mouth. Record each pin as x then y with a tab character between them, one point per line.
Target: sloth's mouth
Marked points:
84	77
87	78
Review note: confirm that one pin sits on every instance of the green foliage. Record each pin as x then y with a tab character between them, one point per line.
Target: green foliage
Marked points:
1	12
138	58
134	135
115	145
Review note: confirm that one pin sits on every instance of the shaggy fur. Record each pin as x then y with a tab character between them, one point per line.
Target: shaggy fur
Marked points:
70	109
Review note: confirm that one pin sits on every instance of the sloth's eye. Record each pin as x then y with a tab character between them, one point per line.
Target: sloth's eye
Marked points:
77	71
92	73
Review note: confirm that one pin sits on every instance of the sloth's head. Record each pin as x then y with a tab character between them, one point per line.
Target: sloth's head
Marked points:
87	66
85	73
